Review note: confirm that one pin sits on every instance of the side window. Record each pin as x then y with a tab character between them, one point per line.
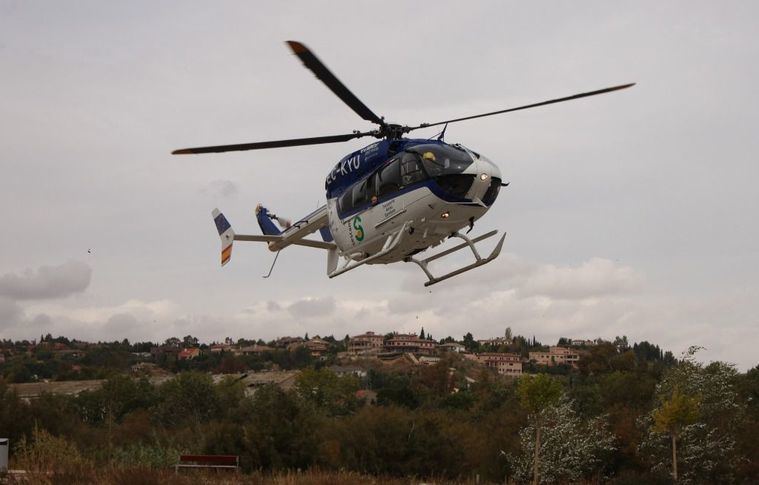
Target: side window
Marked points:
411	169
389	178
346	201
360	194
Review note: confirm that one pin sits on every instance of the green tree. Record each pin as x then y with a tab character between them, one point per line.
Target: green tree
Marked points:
118	396
537	393
695	423
44	452
748	434
15	416
189	398
334	394
374	440
672	416
281	431
571	449
108	405
393	389
469	342
189	341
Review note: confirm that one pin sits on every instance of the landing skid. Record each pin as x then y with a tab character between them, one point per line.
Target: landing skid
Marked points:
467	243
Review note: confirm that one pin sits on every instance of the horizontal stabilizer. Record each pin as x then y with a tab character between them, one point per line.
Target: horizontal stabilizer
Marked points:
279	239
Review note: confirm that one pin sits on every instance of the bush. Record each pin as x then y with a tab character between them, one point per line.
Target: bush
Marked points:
54	456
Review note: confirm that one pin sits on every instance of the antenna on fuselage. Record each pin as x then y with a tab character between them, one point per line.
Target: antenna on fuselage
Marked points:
441	135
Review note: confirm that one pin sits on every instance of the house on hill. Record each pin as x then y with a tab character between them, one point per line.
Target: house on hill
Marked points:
219	348
365	343
254	349
287	342
506	364
164	350
188	354
452	347
495	342
556	356
317	347
410	343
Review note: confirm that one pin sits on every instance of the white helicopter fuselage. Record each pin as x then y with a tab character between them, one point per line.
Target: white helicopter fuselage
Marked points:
428	218
398	206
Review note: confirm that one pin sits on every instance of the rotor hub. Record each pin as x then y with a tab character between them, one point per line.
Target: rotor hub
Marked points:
393	131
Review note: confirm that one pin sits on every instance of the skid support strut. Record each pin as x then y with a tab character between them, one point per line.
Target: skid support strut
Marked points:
391	243
479	260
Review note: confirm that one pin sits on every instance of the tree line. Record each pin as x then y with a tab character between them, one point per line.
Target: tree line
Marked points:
625	416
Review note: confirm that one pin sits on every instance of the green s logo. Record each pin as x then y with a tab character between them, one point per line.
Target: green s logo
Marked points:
358	229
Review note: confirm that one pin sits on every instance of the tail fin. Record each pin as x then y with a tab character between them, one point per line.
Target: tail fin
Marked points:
226	234
265	222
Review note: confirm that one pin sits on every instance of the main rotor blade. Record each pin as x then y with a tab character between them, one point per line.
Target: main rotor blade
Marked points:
271	144
534	105
320	70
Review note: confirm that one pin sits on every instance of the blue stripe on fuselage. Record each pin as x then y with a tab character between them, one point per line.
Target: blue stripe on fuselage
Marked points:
356	165
429	183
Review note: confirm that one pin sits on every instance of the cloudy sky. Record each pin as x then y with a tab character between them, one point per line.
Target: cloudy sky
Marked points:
631	214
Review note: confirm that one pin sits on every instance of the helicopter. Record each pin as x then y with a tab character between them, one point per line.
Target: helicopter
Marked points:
390	200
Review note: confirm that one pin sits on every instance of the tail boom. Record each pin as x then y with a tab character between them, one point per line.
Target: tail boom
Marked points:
294	235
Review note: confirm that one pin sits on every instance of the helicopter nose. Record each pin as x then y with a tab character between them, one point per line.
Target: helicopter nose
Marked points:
486	177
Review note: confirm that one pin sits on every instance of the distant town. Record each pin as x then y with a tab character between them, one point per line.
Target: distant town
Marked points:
59	365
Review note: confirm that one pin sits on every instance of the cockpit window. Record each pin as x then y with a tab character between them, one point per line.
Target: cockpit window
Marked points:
411	169
444	163
442	159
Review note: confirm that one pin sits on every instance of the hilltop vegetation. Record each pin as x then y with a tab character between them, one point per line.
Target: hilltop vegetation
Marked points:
615	417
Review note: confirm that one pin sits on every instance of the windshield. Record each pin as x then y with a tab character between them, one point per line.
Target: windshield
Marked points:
442	159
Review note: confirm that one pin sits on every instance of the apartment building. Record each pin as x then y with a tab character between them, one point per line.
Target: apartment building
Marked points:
507	364
556	356
410	343
365	343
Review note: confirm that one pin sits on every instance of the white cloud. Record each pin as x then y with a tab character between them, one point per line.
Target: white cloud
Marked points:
221	188
120	323
10	311
47	282
141	310
596	277
312	307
